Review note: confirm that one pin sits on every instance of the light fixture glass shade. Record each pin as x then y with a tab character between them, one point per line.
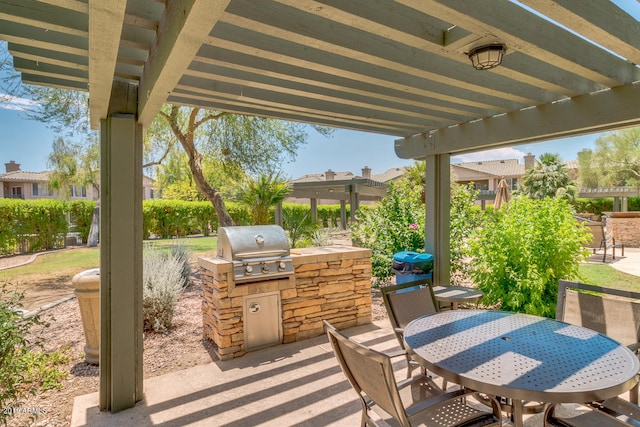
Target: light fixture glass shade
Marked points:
487	57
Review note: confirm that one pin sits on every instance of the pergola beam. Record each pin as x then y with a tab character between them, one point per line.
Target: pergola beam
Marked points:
184	26
534	35
599	20
598	112
105	27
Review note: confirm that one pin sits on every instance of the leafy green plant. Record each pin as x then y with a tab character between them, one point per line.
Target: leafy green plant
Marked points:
393	225
519	255
298	224
44	368
15	347
465	217
261	194
162	284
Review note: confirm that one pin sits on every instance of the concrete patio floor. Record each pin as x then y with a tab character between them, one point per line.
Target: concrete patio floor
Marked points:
298	384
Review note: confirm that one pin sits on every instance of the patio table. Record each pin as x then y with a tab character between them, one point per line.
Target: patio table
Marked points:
522	357
456	295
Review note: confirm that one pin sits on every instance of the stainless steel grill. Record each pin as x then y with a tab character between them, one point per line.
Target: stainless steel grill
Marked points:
258	252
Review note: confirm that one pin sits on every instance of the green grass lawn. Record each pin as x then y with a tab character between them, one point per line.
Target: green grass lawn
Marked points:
61	266
196	245
607	276
58	266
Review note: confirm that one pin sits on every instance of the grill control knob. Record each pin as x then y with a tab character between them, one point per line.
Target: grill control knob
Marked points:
282	266
265	269
248	269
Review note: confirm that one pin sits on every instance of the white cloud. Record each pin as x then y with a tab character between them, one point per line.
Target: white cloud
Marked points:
496	154
8	102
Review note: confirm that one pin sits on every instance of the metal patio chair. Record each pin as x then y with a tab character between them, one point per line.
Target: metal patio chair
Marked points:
599	240
404	303
415	401
610	413
612	312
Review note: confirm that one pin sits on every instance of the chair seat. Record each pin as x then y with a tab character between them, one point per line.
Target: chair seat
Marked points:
428	405
416	401
610	413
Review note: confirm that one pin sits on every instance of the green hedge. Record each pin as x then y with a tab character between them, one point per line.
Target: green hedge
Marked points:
32	225
328	215
80	216
174	218
597	206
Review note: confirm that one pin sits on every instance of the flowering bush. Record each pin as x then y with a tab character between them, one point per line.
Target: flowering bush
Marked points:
393	225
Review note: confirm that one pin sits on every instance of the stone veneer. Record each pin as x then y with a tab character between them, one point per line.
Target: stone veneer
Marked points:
625	230
331	283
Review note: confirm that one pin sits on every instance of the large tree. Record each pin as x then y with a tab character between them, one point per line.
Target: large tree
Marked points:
76	164
549	178
241	144
238	143
616	158
588	176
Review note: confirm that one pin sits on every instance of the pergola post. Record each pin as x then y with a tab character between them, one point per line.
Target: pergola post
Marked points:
314	210
121	253
437	222
354	202
343	214
277	214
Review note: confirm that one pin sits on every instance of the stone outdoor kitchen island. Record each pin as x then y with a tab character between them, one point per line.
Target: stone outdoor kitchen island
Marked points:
330	283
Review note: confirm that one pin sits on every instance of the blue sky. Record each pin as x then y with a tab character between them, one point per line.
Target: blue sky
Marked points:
29	143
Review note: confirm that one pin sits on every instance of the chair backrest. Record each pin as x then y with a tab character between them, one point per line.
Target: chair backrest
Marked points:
612	312
408	301
369	372
596	228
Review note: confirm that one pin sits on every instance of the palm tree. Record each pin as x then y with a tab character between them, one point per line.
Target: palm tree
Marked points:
549	178
260	194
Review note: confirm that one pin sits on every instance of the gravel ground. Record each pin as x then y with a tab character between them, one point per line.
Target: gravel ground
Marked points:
181	348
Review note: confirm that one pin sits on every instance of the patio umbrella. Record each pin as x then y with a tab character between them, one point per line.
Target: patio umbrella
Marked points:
502	195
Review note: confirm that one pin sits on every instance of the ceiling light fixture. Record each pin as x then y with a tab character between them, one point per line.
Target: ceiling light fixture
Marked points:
487	57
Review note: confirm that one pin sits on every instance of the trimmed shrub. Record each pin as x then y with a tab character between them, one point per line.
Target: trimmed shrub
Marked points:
80	216
32	225
163	281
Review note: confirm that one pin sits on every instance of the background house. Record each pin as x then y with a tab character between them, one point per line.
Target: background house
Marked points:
486	174
19	184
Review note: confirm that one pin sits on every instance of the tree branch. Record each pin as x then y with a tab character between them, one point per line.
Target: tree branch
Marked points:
208	118
161	159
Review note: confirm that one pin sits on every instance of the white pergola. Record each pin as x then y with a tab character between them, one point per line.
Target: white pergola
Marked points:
390	67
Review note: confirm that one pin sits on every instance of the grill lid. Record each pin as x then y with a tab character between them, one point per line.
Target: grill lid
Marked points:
253	241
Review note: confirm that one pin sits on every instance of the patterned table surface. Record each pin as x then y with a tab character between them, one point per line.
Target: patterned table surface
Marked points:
522	357
457	294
